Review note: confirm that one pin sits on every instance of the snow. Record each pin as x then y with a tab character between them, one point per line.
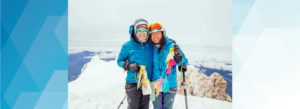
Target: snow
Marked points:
102	86
197	54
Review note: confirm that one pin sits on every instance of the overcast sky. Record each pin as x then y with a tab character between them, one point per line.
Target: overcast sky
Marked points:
207	22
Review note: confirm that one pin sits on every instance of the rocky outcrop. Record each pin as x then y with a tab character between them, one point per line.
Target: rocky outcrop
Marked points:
199	84
84	67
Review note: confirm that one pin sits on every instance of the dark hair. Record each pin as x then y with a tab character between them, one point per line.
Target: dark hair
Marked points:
161	43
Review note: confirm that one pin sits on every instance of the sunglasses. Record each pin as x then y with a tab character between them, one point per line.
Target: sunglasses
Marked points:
155	26
140	31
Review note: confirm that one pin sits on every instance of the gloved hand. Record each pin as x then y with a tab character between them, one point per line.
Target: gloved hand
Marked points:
132	66
177	52
184	67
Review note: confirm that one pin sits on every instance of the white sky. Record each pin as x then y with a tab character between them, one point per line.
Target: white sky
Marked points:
206	22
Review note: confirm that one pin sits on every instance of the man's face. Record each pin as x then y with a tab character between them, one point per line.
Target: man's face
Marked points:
142	35
156	37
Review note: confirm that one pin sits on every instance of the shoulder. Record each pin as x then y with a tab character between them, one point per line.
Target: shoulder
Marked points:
168	41
169	44
126	45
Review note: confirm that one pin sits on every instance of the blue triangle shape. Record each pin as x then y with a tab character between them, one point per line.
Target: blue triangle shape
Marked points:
4	36
4	104
22	82
12	13
10	64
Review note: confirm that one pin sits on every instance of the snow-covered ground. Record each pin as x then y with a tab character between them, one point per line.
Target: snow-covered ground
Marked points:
102	86
197	54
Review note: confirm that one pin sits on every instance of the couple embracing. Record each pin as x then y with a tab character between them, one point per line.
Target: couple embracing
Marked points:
150	50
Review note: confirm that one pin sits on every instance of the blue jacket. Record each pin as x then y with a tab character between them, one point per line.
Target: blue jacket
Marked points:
159	63
135	52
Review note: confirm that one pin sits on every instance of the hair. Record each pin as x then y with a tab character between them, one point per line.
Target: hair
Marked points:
161	43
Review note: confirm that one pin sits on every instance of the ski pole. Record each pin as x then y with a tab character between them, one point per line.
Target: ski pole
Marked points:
122	102
184	84
183	69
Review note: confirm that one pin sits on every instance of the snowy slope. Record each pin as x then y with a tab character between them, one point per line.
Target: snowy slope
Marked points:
101	86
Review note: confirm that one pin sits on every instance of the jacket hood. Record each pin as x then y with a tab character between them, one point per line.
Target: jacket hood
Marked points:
133	35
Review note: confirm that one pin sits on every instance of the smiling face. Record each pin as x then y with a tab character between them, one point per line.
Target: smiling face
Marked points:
156	37
142	35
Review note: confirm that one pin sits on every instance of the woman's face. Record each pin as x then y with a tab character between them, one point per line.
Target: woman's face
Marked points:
156	37
142	35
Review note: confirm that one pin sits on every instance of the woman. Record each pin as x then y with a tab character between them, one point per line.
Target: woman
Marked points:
162	48
134	53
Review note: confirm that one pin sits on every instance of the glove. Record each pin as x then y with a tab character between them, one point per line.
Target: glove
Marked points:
177	52
125	65
184	67
131	66
134	67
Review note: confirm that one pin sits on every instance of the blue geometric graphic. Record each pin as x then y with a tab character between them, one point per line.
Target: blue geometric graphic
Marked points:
265	56
34	58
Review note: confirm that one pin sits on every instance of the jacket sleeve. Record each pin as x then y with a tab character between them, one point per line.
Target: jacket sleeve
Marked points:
122	56
184	58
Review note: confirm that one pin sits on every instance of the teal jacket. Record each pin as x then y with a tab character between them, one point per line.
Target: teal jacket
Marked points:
159	63
136	52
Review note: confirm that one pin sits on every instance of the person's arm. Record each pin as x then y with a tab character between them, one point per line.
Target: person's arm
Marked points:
180	59
122	58
183	59
178	55
124	63
123	55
